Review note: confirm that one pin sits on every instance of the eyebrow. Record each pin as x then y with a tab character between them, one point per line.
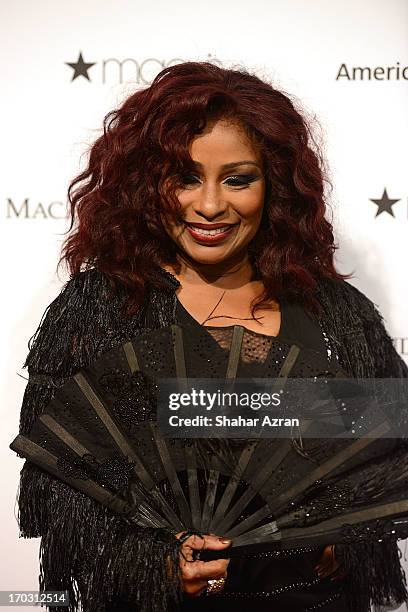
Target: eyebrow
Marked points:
233	164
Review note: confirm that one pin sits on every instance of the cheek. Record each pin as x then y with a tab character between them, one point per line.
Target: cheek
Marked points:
250	205
172	229
185	198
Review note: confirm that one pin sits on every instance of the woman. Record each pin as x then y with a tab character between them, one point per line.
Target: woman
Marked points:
202	202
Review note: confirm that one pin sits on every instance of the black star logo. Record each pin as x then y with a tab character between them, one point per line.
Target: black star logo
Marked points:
80	68
385	204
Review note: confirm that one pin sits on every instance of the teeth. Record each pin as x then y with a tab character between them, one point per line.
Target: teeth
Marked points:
220	230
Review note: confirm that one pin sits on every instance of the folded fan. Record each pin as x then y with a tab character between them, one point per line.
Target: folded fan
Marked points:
100	435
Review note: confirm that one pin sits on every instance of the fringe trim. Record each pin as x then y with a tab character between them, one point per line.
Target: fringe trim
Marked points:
357	331
374	574
36	398
85	548
97	557
77	326
33	499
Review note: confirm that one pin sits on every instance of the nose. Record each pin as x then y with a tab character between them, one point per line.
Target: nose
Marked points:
209	202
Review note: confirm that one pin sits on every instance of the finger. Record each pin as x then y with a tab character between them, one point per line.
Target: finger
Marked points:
213	542
199	570
339	574
335	571
186	555
194	589
209	542
325	571
195	542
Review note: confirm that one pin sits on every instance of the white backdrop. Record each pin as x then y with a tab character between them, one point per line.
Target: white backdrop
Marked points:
346	62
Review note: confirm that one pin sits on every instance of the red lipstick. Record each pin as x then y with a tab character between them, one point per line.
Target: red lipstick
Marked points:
206	237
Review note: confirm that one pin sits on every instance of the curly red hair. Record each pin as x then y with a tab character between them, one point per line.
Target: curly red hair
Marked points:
135	168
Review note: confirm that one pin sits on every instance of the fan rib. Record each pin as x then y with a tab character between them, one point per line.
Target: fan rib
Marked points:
47	461
249	522
193	487
281	500
260	479
235	352
171	473
259	535
64	435
208	506
124	446
179	357
100	409
131	357
224	521
78	448
274	505
232	485
289	361
328	530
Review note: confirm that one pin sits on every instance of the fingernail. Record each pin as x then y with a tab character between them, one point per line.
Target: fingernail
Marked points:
225	540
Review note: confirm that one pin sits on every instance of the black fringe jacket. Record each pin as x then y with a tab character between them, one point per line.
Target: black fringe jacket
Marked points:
87	549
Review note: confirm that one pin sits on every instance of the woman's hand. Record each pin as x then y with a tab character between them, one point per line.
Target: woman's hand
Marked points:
195	574
329	566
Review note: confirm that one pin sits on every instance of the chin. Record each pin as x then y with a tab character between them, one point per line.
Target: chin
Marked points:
208	257
207	260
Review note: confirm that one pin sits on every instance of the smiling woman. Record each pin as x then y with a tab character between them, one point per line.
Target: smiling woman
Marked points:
203	205
174	146
222	203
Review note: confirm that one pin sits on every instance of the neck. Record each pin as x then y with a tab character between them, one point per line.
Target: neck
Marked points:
230	274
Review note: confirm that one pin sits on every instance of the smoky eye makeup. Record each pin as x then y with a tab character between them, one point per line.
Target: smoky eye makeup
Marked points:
233	180
241	180
189	179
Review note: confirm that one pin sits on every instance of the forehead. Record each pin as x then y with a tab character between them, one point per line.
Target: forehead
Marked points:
223	139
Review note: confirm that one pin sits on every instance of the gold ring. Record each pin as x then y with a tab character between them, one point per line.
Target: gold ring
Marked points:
215	586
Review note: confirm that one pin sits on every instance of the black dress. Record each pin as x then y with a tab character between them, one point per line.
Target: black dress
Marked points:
279	581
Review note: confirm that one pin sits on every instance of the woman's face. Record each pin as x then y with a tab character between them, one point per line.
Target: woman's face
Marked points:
222	200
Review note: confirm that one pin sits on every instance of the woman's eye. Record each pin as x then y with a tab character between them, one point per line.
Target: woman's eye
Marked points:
240	180
189	179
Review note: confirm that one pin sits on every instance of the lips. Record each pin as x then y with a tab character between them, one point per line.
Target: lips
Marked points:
210	233
209	226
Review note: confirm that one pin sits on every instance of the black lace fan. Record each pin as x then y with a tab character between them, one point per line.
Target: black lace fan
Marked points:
100	435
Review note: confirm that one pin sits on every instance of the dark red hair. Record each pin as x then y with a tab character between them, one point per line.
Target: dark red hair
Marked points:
136	165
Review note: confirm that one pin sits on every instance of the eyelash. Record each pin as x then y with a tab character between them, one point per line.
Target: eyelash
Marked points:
246	179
